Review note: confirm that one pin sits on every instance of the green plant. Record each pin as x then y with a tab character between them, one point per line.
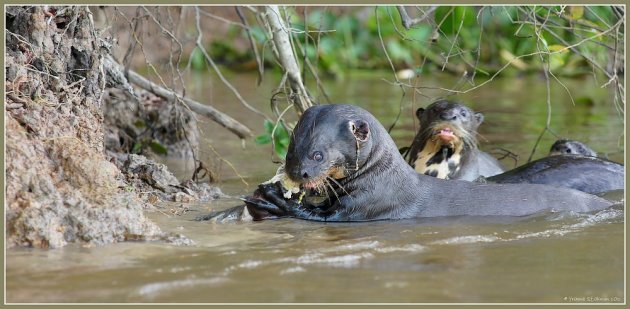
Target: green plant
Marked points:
154	145
276	133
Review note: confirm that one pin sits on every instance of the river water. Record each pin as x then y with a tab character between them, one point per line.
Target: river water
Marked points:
549	257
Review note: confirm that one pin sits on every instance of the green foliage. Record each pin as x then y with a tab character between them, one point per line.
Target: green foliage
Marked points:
486	37
140	124
154	145
280	137
158	148
454	19
197	60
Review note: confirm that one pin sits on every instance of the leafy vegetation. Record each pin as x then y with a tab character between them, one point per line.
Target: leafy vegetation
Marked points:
452	38
278	135
469	41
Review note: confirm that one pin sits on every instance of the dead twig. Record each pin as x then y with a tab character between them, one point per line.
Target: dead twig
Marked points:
391	64
407	21
199	44
252	44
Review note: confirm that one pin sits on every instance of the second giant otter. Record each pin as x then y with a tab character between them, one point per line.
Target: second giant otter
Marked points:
344	153
446	143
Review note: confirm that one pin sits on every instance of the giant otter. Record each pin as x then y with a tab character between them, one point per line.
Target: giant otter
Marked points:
570	147
446	144
570	164
343	152
584	173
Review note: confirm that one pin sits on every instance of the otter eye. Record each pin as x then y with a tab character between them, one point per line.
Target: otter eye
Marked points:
463	113
568	150
318	156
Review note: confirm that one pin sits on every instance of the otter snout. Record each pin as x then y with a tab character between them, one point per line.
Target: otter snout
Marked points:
302	174
305	175
449	115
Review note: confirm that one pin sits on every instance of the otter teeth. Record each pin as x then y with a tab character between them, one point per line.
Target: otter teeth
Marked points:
446	131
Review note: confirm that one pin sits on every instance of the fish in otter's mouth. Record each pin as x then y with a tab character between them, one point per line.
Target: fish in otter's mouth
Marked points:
327	179
292	189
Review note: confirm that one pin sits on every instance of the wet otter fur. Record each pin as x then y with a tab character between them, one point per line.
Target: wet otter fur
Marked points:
446	144
346	154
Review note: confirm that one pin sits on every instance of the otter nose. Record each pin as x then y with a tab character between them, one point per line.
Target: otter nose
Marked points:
448	115
305	175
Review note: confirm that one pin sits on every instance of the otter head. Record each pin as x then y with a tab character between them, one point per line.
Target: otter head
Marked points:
449	123
447	130
569	147
329	141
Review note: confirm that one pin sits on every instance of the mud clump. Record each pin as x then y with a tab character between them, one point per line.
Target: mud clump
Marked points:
156	182
61	187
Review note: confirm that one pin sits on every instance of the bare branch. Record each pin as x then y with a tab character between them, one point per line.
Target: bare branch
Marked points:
280	36
252	44
201	47
226	121
407	22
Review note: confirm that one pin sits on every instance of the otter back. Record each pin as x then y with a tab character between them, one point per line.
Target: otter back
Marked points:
587	174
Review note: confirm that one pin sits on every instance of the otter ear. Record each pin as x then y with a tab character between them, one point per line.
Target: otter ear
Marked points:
479	117
360	129
419	112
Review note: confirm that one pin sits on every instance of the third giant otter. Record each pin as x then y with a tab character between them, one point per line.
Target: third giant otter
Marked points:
570	164
446	143
585	173
343	152
570	147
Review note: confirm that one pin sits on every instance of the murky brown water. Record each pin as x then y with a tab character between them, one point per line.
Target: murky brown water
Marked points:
552	257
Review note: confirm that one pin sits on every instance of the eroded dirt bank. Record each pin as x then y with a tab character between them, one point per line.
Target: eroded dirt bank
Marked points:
61	186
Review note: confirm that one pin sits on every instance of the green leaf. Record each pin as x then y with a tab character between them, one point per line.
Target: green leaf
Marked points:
558	47
544	42
268	126
281	131
262	139
576	12
555	62
420	33
281	151
137	147
584	100
158	148
452	17
258	33
346	24
139	124
321	20
397	51
197	61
